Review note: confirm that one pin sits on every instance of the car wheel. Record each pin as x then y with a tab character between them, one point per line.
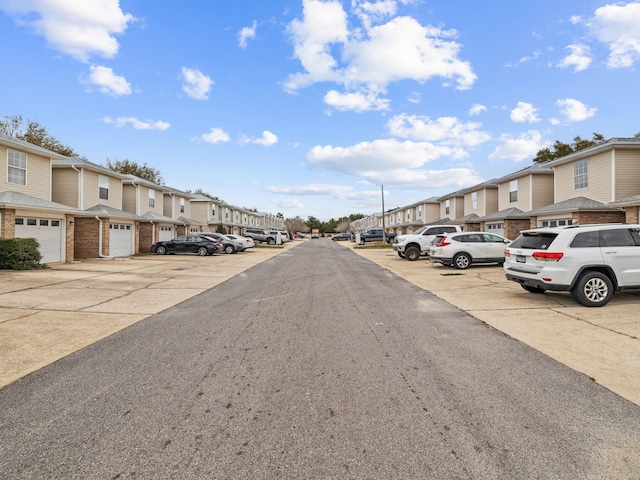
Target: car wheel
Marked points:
593	289
461	261
271	241
531	289
203	251
161	250
229	249
412	254
401	255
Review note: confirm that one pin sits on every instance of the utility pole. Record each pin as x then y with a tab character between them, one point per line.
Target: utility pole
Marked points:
384	233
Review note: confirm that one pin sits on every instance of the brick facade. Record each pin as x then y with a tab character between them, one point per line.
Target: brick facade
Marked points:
589	218
87	235
8	219
512	228
70	237
632	214
146	236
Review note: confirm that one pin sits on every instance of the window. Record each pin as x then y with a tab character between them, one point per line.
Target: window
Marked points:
152	198
474	200
213	210
182	205
16	167
55	223
103	187
513	191
32	221
581	175
419	212
44	223
620	237
586	240
446	207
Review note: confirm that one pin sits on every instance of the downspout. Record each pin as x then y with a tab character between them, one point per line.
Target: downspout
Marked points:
100	239
79	200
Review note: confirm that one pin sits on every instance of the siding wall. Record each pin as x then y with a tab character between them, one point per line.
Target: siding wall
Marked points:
38	175
64	187
129	198
91	188
600	180
542	191
627	173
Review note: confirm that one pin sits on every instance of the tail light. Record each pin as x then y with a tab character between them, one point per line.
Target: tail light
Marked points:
548	256
443	243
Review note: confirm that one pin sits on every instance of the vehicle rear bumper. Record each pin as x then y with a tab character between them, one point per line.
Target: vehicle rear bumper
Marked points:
536	282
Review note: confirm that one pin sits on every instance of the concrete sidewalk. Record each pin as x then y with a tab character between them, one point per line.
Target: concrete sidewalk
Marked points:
603	343
48	314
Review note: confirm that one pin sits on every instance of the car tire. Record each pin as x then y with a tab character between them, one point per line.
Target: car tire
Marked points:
531	289
203	251
593	289
161	250
461	261
229	249
271	241
412	254
401	255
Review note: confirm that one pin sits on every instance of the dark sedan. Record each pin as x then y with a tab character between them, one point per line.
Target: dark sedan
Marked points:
342	236
187	244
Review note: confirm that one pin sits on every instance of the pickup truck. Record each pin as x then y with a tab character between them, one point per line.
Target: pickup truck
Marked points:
375	236
412	245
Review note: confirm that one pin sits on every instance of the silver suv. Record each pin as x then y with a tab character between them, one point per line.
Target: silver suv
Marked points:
260	235
590	261
412	245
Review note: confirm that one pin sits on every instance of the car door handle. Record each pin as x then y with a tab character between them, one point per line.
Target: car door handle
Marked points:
610	251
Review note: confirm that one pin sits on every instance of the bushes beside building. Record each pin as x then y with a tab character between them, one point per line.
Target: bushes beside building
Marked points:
19	254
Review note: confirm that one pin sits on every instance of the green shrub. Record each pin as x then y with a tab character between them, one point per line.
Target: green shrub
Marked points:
19	254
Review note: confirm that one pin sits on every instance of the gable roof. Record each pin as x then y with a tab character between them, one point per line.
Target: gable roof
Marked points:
507	213
101	210
78	162
29	147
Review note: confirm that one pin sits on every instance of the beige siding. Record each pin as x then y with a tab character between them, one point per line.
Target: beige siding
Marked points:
91	189
38	182
200	211
542	191
600	180
129	198
491	201
158	208
627	165
64	187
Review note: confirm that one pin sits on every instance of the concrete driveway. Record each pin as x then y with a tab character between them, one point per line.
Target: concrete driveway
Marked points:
47	314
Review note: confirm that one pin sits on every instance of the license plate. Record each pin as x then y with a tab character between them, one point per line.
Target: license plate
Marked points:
521	259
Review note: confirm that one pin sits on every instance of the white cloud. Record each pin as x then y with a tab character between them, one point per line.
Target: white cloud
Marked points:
215	135
518	147
579	58
137	124
247	33
267	139
288	203
341	192
197	85
372	56
444	130
107	82
78	28
477	109
524	112
393	162
574	110
616	25
356	101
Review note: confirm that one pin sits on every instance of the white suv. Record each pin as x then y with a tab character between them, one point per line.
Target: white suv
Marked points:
412	245
590	261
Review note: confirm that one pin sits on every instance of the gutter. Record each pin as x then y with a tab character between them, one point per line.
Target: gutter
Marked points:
100	238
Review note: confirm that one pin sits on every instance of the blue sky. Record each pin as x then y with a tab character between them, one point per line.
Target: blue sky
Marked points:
306	107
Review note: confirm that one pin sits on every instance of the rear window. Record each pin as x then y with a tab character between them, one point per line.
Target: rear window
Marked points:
586	240
534	240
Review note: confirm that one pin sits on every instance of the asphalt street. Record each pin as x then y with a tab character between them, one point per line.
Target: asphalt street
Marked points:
314	364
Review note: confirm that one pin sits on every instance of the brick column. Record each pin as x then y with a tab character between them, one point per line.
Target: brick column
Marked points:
70	237
8	227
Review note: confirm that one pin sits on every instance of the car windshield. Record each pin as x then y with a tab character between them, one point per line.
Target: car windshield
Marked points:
534	240
420	230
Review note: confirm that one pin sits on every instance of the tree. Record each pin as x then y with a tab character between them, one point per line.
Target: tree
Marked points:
200	191
34	133
561	149
295	224
145	172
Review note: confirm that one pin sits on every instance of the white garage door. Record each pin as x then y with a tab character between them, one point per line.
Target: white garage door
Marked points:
166	233
497	228
48	233
120	239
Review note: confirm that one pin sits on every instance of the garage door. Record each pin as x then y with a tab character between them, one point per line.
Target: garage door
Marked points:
48	233
166	233
120	239
497	228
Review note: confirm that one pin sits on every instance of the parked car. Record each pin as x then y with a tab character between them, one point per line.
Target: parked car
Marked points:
229	245
277	234
246	241
187	244
590	261
342	236
462	249
260	235
412	245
